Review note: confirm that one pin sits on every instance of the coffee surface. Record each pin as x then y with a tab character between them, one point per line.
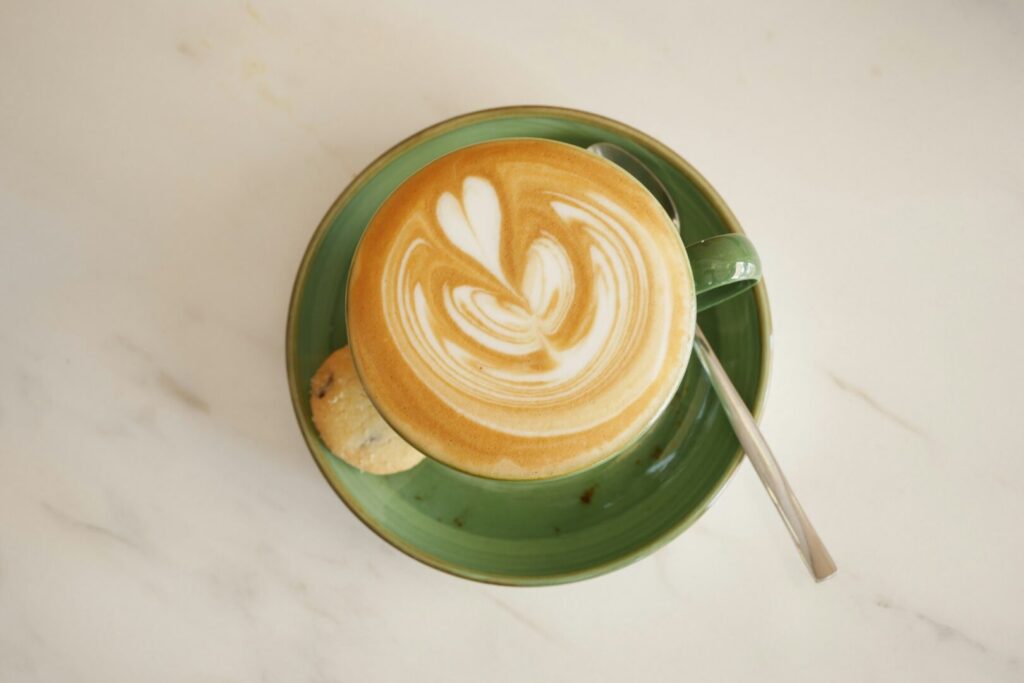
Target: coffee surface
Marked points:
520	309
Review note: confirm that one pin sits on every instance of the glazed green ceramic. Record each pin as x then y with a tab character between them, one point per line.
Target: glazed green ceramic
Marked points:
539	532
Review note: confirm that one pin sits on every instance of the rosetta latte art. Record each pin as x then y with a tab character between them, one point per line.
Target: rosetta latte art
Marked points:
507	342
519	315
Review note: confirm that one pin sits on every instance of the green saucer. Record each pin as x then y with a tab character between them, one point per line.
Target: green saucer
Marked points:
534	533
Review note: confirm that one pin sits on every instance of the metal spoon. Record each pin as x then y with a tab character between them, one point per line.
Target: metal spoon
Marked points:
815	555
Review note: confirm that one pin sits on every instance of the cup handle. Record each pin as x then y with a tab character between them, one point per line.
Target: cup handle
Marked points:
723	266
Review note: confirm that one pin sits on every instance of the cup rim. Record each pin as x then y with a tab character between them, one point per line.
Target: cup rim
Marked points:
453	123
635	438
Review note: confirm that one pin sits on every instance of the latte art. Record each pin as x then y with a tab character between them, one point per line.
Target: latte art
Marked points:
513	344
519	309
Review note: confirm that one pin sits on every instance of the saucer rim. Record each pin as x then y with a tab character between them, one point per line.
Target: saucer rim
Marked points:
356	185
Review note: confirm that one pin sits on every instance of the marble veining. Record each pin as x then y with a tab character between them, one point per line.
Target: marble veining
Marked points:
946	632
525	620
162	167
91	528
181	393
874	404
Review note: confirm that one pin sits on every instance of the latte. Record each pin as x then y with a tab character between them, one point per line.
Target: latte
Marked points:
520	309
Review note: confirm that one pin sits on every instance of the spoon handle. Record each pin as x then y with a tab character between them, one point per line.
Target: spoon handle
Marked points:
807	541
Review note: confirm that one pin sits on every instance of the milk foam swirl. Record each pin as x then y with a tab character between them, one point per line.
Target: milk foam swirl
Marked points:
519	309
510	340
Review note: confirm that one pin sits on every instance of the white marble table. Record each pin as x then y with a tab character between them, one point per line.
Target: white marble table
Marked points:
162	166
